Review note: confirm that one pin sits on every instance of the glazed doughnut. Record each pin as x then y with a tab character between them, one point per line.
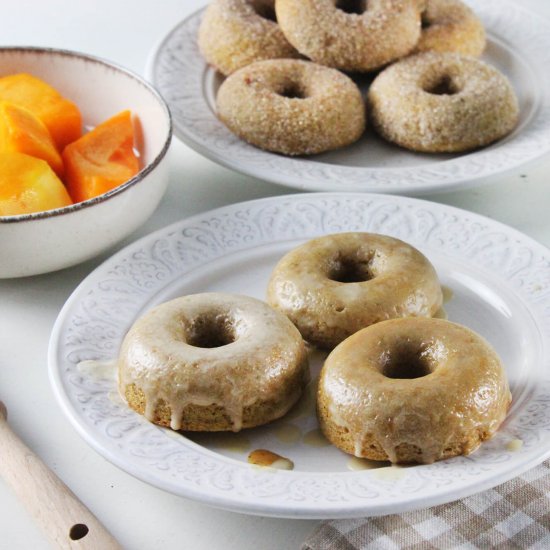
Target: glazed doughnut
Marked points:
212	362
292	107
442	102
333	286
235	33
412	390
351	35
451	26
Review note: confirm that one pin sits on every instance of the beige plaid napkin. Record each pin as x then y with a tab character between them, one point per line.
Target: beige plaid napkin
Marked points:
515	514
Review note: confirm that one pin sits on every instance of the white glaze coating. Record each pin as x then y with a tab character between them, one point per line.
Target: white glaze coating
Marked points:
461	400
397	281
266	355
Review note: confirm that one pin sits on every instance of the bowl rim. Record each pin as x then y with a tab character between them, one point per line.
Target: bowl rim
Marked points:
120	188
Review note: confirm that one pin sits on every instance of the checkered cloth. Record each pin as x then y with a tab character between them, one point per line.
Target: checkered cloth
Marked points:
515	514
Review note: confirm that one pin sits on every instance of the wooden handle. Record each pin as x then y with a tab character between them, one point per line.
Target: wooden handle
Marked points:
65	520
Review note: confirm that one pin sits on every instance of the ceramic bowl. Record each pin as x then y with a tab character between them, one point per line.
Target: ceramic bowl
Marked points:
41	242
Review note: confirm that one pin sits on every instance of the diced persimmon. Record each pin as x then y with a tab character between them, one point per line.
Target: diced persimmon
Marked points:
102	159
28	184
61	116
22	132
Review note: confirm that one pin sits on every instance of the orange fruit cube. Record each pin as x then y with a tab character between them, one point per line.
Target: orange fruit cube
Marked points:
61	116
22	132
28	184
102	159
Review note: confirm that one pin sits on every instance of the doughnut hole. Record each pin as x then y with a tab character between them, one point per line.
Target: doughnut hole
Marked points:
211	330
425	21
351	271
292	88
352	6
408	360
352	268
265	9
443	85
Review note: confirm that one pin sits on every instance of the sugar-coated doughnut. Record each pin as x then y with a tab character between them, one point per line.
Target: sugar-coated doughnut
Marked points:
412	390
235	33
333	286
212	362
451	26
292	107
442	102
351	35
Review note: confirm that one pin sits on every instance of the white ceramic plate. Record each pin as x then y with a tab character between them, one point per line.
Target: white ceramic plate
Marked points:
501	285
518	44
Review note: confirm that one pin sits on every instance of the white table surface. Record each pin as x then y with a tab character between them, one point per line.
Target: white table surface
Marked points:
140	516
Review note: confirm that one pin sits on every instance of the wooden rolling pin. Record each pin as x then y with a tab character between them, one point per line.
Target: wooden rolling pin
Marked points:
67	523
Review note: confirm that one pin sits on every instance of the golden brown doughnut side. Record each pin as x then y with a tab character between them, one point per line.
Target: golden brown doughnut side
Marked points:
442	102
333	286
384	32
371	405
215	418
292	107
212	362
451	26
235	33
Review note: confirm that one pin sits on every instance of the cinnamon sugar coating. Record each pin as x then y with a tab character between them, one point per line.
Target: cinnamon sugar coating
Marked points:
412	390
379	32
235	33
451	26
442	102
292	107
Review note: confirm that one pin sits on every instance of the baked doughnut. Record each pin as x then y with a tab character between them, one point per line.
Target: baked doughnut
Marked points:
333	286
351	35
212	362
235	33
451	26
442	102
412	390
292	107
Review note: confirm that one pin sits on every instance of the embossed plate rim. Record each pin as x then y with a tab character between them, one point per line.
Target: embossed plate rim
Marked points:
211	139
192	479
